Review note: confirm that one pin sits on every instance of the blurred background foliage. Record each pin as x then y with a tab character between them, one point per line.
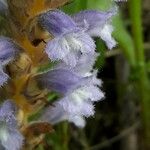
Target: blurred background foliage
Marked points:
122	120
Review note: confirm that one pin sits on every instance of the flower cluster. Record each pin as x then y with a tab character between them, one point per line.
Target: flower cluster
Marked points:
73	76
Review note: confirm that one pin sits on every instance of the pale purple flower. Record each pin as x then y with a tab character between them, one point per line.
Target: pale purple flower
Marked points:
8	52
80	100
75	104
79	93
10	137
56	114
97	24
84	64
69	40
60	80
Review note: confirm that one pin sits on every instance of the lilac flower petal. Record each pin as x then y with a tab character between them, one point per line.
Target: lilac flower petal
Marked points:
10	137
71	59
74	105
95	23
56	114
93	80
8	50
90	19
85	63
3	77
83	66
14	141
7	113
79	92
88	45
80	100
79	121
105	35
59	80
92	92
57	49
67	47
57	22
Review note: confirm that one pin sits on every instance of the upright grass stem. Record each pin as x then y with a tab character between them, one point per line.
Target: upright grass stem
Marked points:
136	18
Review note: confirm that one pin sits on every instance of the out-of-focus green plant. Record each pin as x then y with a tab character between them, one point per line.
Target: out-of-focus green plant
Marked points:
133	49
136	19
